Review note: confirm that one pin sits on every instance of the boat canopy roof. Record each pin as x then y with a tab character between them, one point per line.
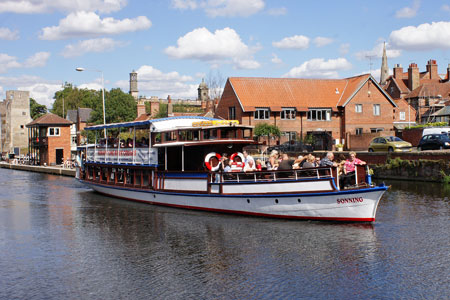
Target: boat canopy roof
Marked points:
156	125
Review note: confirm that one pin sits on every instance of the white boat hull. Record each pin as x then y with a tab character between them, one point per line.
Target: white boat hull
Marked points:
348	205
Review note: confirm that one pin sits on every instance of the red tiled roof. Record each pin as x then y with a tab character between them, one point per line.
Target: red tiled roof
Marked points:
49	119
276	93
431	89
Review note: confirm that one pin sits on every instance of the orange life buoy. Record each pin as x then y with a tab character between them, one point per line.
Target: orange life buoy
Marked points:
208	164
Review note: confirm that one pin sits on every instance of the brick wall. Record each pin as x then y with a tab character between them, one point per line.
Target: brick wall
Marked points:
59	142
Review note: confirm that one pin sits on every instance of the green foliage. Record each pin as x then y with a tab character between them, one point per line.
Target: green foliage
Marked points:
435	124
119	106
162	111
36	109
187	108
309	139
266	129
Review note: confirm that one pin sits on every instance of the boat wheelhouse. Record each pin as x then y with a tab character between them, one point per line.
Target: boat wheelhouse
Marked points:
174	162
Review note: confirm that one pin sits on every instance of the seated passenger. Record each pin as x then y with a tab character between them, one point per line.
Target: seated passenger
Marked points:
258	165
250	166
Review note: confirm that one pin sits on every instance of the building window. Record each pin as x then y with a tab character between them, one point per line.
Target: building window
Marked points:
262	114
319	114
289	135
22	127
53	131
376	109
375	130
74	140
359	131
24	113
358	108
288	114
232	113
402	115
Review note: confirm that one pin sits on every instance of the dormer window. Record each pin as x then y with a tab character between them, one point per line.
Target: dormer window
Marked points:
262	113
288	114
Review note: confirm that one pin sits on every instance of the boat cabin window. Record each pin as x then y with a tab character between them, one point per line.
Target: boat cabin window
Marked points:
170	136
209	134
188	135
228	133
247	134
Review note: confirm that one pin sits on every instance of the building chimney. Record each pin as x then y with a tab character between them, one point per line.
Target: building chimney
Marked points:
413	77
140	108
432	69
398	72
448	72
169	107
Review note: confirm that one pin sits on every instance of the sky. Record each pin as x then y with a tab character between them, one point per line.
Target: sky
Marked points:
174	44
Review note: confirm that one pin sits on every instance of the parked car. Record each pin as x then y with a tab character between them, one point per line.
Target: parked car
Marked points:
389	144
434	142
291	146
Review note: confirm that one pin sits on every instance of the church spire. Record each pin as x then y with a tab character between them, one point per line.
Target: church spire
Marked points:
384	67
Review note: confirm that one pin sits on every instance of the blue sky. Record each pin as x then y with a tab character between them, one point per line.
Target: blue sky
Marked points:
173	44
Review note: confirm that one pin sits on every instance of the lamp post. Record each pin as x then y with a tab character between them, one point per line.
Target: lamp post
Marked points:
103	91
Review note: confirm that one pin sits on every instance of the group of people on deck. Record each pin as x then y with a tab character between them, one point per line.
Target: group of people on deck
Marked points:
122	143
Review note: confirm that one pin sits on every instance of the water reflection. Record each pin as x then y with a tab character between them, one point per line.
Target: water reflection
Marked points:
60	240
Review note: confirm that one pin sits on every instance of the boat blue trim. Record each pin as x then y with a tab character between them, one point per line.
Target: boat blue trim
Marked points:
344	192
121	164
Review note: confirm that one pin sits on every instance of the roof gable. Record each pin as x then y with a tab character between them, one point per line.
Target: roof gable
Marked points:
49	119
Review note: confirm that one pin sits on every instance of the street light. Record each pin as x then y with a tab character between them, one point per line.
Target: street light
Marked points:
103	91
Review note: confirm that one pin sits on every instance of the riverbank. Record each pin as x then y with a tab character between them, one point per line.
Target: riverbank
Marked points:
39	169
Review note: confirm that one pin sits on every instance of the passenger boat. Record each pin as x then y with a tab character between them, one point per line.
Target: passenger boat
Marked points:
174	162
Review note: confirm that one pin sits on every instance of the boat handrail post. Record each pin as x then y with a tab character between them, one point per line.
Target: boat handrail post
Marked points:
95	147
317	172
274	176
106	144
182	158
118	146
254	177
149	143
296	175
134	144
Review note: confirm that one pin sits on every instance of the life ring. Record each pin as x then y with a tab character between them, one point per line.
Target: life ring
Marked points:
208	164
240	155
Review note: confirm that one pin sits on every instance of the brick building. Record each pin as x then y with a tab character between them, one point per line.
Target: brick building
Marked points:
327	109
14	115
49	140
426	92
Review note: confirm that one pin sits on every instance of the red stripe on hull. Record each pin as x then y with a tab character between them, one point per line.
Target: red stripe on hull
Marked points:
239	212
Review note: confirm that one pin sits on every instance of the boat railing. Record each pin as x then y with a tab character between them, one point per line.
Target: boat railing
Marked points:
134	155
276	175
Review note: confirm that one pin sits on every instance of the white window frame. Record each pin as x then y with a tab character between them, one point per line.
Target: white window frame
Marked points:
358	108
376	110
375	130
262	113
53	131
319	114
288	113
359	131
402	115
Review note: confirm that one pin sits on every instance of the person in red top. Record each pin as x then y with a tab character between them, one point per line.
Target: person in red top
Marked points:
349	168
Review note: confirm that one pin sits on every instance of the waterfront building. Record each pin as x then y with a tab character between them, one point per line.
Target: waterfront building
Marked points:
426	92
331	111
49	140
14	115
79	117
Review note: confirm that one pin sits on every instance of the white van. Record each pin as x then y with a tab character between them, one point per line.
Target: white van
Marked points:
436	130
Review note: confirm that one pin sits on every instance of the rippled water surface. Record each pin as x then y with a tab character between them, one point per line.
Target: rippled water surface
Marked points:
59	240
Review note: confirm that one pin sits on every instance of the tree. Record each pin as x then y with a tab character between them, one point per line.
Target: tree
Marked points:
36	109
216	83
265	129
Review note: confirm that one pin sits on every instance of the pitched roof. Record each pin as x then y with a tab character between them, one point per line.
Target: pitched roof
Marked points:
71	115
84	114
49	119
253	92
431	89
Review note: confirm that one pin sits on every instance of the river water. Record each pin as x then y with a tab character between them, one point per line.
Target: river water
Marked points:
59	240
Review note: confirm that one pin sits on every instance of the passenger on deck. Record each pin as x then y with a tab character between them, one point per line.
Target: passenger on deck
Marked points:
272	163
250	166
286	163
129	143
349	169
258	165
327	161
247	157
227	163
298	163
310	162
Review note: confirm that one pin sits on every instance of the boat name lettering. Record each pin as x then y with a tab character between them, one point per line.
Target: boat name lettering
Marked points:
114	152
215	123
349	200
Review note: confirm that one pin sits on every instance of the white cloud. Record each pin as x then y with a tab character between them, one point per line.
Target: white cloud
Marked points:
89	24
279	11
37	60
154	82
223	45
408	12
93	45
423	37
48	6
8	62
275	59
293	42
222	8
8	34
377	52
319	68
322	41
